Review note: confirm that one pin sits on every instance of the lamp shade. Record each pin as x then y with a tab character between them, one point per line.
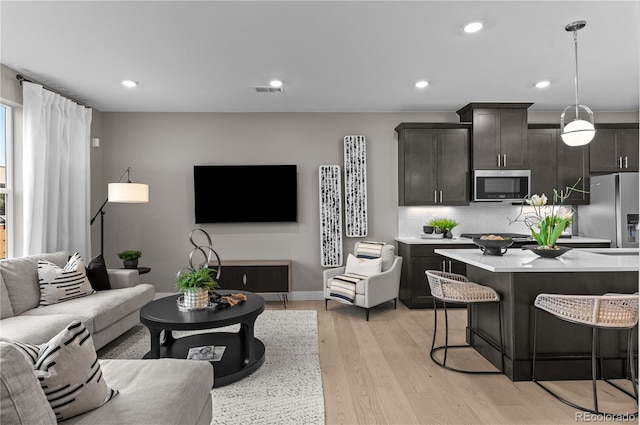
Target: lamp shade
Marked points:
578	133
129	193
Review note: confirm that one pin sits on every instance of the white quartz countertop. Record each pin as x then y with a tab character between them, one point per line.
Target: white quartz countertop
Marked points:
519	260
417	240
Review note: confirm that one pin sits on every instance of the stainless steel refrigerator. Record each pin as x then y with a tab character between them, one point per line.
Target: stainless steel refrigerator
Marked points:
613	210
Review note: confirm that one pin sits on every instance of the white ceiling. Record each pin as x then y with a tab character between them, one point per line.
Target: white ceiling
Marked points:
205	56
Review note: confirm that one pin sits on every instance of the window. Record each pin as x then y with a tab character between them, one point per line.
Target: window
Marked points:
6	190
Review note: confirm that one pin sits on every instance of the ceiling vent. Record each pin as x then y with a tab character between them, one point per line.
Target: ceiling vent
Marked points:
269	89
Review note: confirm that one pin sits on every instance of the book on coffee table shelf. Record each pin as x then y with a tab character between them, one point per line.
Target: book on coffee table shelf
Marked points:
207	352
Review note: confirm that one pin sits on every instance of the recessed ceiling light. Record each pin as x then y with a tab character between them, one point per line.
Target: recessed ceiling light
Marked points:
275	83
129	83
542	84
472	27
422	84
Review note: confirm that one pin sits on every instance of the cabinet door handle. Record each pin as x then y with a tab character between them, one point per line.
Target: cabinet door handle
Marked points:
449	266
435	196
440	196
244	279
498	160
620	162
504	160
443	266
626	162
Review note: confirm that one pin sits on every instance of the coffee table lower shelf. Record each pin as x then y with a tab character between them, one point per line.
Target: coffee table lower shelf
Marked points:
232	367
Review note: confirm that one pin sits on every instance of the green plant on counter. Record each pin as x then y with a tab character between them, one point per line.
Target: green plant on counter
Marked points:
444	224
196	279
129	255
547	222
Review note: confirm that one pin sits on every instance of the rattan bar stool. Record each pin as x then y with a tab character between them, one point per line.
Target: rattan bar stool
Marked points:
456	289
615	311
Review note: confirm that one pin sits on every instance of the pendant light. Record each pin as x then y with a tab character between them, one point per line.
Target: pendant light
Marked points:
578	132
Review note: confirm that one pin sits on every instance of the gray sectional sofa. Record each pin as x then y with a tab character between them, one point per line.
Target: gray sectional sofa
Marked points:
106	314
163	391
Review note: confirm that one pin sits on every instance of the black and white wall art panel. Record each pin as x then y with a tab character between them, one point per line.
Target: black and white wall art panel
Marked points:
355	186
330	216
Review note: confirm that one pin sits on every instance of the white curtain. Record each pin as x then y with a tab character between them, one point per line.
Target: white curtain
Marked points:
56	173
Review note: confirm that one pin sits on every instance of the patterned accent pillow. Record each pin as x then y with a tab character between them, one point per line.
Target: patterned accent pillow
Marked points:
69	372
62	284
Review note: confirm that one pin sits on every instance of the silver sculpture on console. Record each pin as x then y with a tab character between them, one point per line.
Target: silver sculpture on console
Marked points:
197	280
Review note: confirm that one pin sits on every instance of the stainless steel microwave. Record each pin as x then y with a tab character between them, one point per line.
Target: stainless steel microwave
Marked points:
501	185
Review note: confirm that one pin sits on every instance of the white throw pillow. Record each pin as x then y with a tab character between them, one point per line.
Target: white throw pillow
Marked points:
62	284
69	372
362	266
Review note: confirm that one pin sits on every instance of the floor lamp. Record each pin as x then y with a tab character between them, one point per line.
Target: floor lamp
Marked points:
124	192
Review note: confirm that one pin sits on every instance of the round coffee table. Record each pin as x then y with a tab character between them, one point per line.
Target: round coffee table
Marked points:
244	353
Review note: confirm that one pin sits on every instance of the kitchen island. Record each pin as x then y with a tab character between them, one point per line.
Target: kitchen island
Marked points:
519	276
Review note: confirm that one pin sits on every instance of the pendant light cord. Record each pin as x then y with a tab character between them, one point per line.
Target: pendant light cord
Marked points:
575	40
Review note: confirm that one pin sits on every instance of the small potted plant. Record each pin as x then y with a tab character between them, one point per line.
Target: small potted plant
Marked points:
443	225
196	285
130	258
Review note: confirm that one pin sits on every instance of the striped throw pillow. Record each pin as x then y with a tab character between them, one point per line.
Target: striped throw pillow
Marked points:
62	284
69	372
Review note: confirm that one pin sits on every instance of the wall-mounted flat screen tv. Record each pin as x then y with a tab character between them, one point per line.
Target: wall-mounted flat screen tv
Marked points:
245	193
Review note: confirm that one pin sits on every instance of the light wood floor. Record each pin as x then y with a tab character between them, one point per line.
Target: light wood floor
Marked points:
380	372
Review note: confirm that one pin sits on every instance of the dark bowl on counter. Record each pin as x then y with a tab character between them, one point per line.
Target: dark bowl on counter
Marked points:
492	246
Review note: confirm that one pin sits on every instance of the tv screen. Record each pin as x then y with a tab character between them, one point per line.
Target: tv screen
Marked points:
245	193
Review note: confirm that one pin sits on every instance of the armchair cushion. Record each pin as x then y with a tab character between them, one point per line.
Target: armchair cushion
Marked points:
362	266
368	249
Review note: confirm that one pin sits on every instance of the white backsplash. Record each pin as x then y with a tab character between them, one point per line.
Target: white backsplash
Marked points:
478	217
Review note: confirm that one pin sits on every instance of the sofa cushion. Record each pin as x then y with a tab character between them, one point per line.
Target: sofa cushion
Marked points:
20	275
162	391
38	329
70	374
22	400
97	274
102	308
6	310
59	284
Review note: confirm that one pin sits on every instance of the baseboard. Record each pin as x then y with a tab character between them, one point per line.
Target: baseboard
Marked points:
297	296
292	296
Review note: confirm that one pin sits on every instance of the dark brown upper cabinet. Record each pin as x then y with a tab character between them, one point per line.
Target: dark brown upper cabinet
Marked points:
499	138
555	165
433	164
614	149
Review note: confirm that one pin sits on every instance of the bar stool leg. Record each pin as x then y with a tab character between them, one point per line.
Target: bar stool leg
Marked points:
594	367
435	326
446	333
632	368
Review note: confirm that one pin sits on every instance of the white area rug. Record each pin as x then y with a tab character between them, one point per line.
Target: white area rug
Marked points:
287	389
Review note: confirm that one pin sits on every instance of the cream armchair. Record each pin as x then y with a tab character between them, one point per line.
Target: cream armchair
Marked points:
375	289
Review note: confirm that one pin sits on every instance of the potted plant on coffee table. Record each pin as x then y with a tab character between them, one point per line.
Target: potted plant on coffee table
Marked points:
130	258
196	284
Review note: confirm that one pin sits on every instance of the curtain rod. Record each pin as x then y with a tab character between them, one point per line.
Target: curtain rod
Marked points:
22	78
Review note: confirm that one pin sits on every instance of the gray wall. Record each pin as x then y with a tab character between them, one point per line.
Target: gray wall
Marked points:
162	149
